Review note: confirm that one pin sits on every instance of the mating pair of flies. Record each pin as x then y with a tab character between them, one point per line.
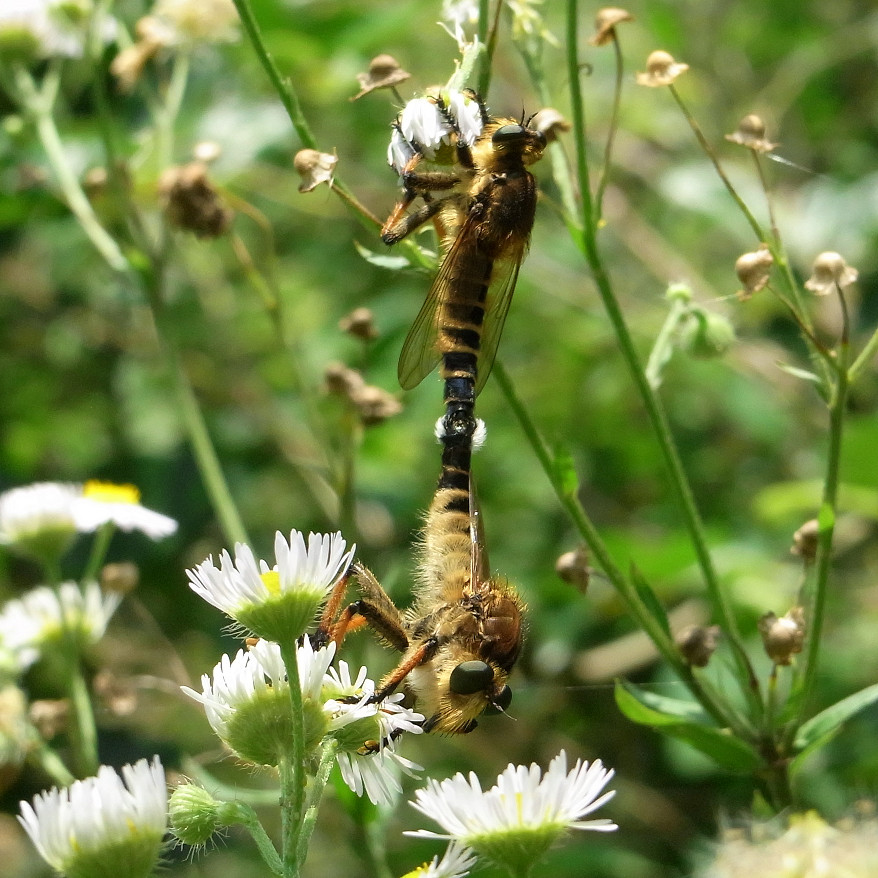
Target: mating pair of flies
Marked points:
462	635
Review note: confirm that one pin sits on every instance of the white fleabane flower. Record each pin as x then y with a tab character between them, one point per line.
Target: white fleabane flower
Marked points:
518	819
43	518
467	113
247	700
48	28
277	603
456	862
422	124
198	21
103	826
362	726
46	617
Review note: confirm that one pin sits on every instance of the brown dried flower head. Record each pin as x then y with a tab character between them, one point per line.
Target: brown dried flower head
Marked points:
314	168
342	380
605	24
783	637
573	568
753	270
128	65
191	202
830	273
697	643
384	72
661	69
551	123
375	404
805	541
360	323
750	133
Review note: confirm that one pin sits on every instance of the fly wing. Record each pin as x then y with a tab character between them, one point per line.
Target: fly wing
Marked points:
499	299
480	570
420	353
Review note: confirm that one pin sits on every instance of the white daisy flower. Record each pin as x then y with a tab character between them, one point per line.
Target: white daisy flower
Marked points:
198	21
456	862
102	826
277	603
422	124
467	113
522	815
248	705
43	518
48	28
46	617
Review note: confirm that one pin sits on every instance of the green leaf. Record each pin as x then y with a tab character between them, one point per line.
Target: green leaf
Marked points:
828	721
650	600
382	260
673	708
720	745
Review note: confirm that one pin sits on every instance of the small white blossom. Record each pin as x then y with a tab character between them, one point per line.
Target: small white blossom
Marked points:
522	814
57	510
102	826
55	28
422	124
456	862
276	602
198	21
46	617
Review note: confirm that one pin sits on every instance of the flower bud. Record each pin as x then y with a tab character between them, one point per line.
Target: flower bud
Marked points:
193	814
661	69
783	637
753	270
698	643
605	24
830	273
707	335
750	133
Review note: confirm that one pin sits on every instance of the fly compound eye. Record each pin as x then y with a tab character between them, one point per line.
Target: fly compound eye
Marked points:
501	702
506	134
470	677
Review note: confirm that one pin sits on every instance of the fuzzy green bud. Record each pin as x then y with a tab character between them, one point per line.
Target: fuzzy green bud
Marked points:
707	334
194	814
678	292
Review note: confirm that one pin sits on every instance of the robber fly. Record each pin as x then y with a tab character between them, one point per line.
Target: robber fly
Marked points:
486	219
463	633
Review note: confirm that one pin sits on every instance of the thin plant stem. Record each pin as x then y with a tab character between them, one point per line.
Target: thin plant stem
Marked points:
638	609
292	770
246	817
39	103
651	401
316	787
40	754
611	133
85	733
99	547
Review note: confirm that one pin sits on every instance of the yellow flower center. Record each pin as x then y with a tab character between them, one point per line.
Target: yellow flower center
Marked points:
107	492
272	581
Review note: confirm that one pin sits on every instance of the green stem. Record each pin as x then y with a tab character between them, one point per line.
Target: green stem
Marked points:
99	547
292	771
49	762
246	817
864	358
588	242
611	134
39	105
627	591
663	346
315	793
85	733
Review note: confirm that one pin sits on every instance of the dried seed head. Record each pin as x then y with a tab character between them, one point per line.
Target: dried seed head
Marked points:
605	24
783	637
753	270
128	65
314	168
342	380
49	716
697	643
551	123
805	541
375	404
573	568
750	133
830	273
384	72
360	323
661	69
191	202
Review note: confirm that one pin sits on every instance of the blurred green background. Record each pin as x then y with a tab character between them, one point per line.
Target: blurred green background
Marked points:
85	391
